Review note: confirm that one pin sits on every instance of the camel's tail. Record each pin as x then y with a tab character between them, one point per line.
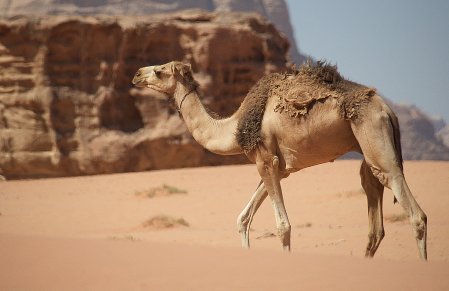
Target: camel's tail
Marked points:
397	137
397	141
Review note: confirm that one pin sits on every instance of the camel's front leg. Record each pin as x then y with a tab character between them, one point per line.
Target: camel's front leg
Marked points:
245	218
268	167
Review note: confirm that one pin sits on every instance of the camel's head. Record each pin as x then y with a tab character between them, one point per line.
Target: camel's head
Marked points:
165	78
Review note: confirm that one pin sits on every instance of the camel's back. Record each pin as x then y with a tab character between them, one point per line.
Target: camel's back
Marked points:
298	93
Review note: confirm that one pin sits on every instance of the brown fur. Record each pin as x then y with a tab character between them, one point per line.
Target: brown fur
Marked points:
252	111
320	81
296	94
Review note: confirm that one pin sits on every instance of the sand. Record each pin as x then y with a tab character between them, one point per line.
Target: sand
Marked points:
93	233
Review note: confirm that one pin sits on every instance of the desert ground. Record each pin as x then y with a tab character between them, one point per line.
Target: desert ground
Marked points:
176	230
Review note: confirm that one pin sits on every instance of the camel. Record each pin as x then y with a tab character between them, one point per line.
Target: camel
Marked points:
292	121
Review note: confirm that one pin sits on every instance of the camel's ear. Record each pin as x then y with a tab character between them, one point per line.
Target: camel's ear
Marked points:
173	67
183	69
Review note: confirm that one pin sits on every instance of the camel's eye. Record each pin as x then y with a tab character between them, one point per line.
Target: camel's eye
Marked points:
158	73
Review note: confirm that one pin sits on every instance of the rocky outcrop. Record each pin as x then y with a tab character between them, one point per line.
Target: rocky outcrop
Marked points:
419	140
67	105
274	10
441	129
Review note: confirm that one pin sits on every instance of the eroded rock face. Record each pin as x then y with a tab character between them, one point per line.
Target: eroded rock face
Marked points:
273	10
418	135
67	105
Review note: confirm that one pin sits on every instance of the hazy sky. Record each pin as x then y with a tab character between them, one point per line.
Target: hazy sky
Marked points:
399	47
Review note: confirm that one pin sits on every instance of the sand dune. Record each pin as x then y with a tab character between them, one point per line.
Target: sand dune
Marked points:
93	233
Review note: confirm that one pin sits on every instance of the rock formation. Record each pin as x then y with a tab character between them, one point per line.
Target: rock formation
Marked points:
67	105
418	135
443	134
441	129
274	10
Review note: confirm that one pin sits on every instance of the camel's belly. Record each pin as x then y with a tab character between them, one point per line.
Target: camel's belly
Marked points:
318	137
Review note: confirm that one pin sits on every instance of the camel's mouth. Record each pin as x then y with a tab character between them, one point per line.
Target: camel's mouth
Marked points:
141	78
139	81
144	84
153	87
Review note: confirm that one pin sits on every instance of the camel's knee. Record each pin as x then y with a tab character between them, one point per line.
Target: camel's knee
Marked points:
386	175
381	177
268	164
369	181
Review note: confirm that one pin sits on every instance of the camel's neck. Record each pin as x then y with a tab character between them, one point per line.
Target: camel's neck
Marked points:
216	135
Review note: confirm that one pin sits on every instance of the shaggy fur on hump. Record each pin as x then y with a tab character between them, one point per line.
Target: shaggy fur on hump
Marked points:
296	93
314	82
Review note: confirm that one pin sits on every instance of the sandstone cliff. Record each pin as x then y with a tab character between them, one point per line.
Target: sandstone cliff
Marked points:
273	10
67	105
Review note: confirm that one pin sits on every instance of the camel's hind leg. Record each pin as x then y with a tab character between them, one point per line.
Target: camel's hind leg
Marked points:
377	133
245	218
374	192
